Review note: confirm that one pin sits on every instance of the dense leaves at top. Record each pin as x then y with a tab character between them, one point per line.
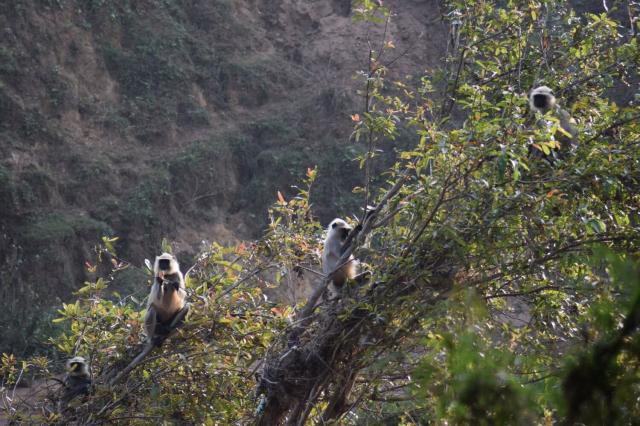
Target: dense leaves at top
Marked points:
505	287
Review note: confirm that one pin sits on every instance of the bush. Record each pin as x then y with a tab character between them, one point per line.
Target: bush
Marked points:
62	227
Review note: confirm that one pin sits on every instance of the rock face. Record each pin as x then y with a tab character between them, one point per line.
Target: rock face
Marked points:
146	119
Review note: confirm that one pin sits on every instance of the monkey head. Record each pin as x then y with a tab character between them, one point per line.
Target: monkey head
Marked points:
166	264
340	228
77	367
541	99
165	269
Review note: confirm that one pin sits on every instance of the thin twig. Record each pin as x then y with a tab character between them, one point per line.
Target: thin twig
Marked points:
524	293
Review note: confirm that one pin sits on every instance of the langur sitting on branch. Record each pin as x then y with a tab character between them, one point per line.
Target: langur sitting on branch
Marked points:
166	308
337	233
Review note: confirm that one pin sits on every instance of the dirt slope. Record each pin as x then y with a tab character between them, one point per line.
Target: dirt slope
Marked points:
151	119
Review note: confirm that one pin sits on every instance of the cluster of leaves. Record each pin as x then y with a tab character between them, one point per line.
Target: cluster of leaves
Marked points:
204	375
479	218
505	289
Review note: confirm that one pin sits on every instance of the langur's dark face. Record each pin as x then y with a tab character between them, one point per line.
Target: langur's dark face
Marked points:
76	367
164	264
341	229
344	232
541	101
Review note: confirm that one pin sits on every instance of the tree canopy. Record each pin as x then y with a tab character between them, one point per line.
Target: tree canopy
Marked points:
505	287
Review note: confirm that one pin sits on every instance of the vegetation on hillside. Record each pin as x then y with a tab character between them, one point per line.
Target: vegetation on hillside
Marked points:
103	105
505	287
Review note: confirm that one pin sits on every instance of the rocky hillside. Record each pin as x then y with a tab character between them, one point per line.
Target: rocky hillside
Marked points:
159	118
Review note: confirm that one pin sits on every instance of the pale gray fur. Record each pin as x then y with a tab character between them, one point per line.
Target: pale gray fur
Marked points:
542	100
165	300
337	232
76	382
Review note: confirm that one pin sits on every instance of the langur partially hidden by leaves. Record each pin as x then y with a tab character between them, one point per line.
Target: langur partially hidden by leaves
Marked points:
76	382
542	100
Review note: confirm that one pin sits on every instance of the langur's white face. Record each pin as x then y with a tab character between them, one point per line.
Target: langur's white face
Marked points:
166	264
340	228
542	99
77	366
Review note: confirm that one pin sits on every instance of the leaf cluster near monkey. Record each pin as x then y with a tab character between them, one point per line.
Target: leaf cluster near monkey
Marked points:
166	310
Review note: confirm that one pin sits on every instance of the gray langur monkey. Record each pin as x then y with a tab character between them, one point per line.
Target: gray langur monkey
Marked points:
542	100
166	307
337	233
77	381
